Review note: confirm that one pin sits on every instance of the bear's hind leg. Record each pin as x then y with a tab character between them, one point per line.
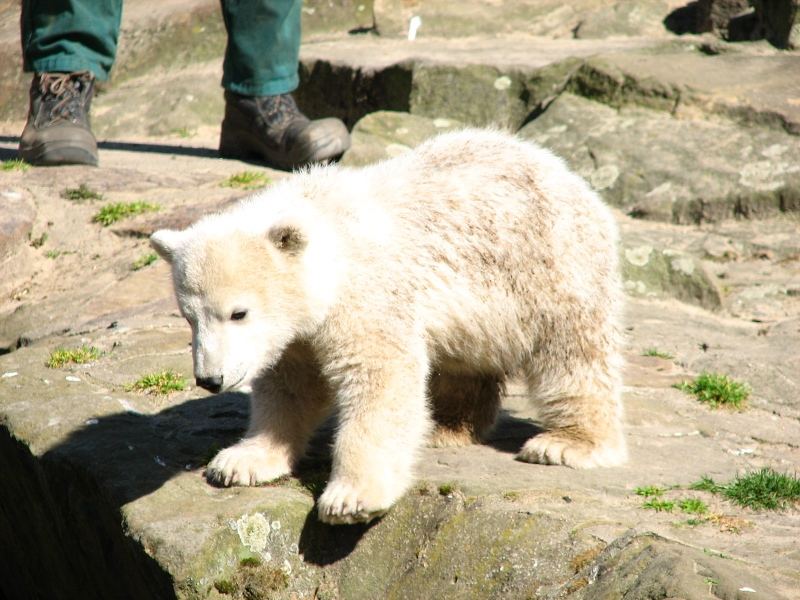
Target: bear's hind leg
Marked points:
581	409
465	407
288	403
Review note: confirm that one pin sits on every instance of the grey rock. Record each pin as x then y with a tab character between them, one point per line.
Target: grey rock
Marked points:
383	134
715	15
672	176
16	220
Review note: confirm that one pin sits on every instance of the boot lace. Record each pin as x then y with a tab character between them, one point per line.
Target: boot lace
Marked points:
65	94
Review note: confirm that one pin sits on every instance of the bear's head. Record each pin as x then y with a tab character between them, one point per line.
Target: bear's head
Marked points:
245	295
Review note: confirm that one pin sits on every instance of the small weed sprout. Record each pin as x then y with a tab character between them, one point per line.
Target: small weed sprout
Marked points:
659	505
38	242
246	180
717	390
446	489
144	261
657	353
78	356
649	491
111	213
693	506
81	193
14	164
162	383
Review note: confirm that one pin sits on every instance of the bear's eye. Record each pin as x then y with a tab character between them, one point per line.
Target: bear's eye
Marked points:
238	315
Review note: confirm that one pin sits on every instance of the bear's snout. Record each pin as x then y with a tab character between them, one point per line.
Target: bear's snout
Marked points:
212	384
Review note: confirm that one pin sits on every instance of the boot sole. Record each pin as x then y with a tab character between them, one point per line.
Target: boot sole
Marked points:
53	154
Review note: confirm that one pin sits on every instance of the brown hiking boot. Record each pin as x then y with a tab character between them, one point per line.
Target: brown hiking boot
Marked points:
272	129
57	131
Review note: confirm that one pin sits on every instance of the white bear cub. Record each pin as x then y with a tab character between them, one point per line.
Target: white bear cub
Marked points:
401	296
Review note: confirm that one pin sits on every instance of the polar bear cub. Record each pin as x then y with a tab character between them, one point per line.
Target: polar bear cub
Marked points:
401	296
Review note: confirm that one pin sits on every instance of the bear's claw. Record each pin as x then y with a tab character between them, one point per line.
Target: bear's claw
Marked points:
550	448
245	464
342	504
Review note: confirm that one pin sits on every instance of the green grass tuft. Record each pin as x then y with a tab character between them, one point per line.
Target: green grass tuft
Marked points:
250	561
161	383
144	261
14	164
659	505
111	213
717	390
657	353
78	356
764	489
706	484
246	180
648	491
693	506
446	489
81	193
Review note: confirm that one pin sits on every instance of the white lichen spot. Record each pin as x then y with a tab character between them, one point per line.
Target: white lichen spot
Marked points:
159	461
253	531
763	175
286	567
660	190
266	556
276	525
638	256
774	151
294	548
442	123
72	378
557	129
604	177
9	374
502	83
401	130
683	265
91	422
11	194
636	286
414	23
393	150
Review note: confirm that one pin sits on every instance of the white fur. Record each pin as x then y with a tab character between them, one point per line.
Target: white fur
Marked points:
397	295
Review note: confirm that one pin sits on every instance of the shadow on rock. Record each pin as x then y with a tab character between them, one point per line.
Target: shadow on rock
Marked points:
134	454
511	433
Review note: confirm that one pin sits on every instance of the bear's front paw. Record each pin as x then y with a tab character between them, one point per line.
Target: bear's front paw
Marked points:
246	463
561	448
342	503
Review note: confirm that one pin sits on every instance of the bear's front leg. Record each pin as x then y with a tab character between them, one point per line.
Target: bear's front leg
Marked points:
383	422
288	402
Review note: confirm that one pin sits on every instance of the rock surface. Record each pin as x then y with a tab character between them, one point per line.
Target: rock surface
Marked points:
693	140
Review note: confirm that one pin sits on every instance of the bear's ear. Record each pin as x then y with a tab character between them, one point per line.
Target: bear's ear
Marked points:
287	238
165	242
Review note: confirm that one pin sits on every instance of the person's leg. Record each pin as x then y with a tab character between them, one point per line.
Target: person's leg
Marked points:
67	44
68	36
259	72
263	46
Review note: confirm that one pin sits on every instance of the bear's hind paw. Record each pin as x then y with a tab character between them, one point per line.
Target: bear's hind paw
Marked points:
246	464
557	448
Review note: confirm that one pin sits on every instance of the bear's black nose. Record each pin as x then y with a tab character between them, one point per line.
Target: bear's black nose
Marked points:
212	384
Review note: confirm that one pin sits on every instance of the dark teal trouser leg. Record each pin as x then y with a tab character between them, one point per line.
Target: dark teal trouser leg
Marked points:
78	35
263	46
70	35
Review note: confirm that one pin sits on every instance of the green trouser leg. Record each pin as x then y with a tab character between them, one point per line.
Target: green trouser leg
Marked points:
263	46
77	35
70	35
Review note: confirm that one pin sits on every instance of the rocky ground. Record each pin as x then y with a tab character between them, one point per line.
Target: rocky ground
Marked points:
693	140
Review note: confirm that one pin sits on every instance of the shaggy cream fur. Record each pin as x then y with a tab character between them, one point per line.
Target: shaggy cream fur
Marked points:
402	295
